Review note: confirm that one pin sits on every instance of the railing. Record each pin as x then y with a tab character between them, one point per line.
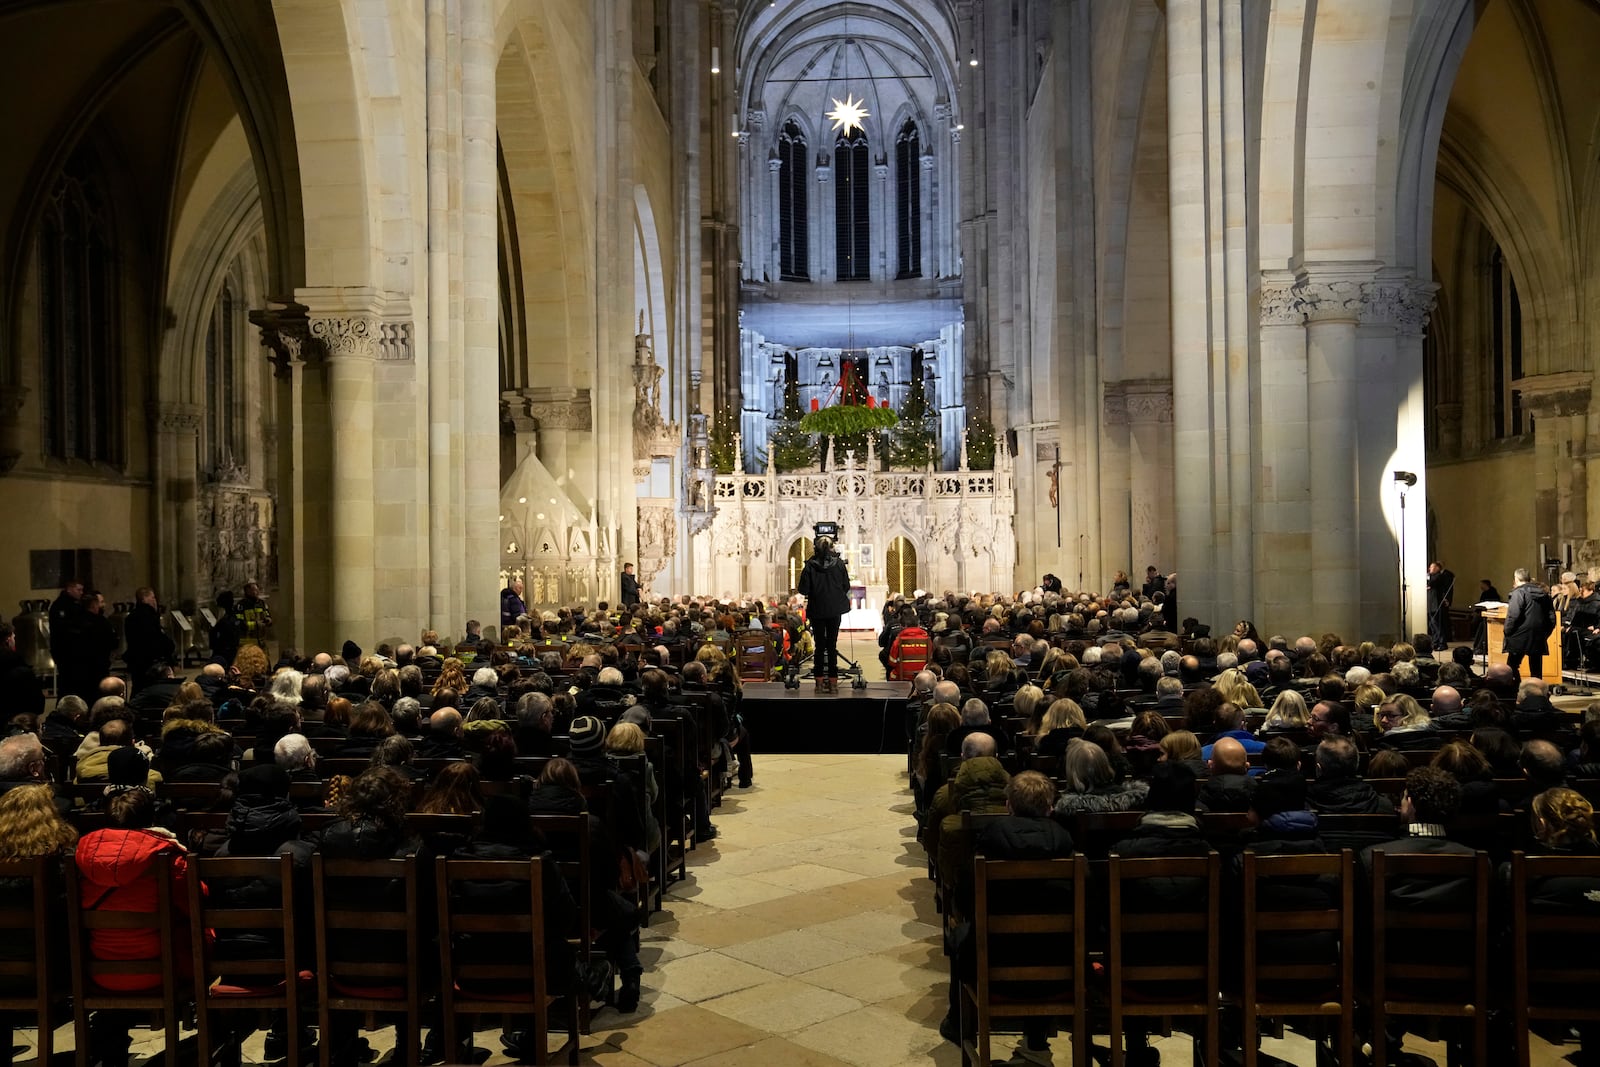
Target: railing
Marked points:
854	484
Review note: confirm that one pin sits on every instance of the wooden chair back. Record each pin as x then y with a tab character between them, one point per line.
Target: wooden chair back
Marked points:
270	977
1031	961
1186	979
88	994
520	986
914	655
25	918
355	904
1436	982
1323	980
1555	967
753	656
567	836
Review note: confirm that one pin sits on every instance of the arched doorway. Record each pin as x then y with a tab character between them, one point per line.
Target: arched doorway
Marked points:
799	552
902	566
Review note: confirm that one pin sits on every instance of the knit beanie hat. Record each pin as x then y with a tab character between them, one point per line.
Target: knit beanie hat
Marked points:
588	736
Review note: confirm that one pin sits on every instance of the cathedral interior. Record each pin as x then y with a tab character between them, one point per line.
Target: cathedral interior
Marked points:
380	303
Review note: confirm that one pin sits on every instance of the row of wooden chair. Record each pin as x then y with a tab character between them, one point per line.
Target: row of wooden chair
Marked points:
278	979
1014	980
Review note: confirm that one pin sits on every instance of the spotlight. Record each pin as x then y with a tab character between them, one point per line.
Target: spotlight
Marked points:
1406	477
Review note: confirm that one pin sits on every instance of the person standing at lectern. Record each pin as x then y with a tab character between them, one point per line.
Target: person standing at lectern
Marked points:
1441	590
825	583
1530	619
630	586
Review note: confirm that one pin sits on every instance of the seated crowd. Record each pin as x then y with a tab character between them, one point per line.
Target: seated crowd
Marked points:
1061	726
349	756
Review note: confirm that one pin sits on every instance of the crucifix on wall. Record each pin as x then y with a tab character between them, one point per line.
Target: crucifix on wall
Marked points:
1054	475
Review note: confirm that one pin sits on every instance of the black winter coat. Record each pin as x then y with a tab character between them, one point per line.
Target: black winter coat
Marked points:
1530	618
825	583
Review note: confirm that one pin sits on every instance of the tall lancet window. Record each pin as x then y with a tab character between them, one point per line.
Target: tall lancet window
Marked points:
79	347
1505	343
794	258
224	397
908	201
852	169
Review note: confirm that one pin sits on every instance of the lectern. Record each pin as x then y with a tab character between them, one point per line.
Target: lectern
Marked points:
1495	618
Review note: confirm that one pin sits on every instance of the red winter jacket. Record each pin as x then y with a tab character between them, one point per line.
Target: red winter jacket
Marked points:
118	873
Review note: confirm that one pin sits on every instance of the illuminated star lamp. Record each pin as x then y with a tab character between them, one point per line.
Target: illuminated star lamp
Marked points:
847	113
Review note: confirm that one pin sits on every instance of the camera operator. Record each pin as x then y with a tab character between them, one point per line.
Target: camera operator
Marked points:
825	583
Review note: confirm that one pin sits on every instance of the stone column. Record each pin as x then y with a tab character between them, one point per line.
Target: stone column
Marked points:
774	179
1148	408
1559	405
177	477
480	281
822	236
304	471
1333	307
926	221
883	225
1284	516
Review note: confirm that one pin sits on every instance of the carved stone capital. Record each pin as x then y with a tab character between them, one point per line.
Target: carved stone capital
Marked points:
756	117
559	408
1116	405
1331	299
927	160
1148	399
881	170
176	418
286	334
346	336
774	165
1402	303
1547	396
824	170
1280	301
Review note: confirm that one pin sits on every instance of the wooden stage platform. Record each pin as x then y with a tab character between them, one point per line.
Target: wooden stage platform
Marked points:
798	720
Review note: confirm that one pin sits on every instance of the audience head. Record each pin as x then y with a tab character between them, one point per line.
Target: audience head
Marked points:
1562	819
1337	757
22	759
1432	796
1463	762
1543	765
293	752
1387	763
1180	746
1228	757
975	713
1030	794
30	825
978	744
131	809
1085	767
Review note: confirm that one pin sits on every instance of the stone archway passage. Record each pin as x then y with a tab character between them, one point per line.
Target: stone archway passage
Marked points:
799	552
901	566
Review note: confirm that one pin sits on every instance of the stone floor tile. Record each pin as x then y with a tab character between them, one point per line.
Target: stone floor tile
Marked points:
706	975
793	951
782	1006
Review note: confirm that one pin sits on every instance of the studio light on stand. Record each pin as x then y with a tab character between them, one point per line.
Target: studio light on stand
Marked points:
1403	481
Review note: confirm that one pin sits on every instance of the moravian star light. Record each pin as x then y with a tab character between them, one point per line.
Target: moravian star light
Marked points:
847	114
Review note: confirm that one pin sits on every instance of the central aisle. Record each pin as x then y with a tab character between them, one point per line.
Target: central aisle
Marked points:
804	935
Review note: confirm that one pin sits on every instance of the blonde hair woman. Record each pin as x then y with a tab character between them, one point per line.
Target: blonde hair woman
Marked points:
1236	689
1288	713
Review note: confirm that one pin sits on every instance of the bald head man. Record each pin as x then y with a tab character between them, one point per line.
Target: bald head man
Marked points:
974	745
1228	757
947	693
1446	701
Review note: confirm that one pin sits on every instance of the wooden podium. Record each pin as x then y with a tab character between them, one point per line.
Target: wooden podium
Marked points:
1495	619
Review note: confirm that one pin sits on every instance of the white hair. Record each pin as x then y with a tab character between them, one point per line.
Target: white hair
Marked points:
292	752
610	676
1091	654
337	675
1357	676
1227	661
286	686
485	676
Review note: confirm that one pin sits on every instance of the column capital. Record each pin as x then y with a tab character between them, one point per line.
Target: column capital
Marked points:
1401	302
359	323
558	407
927	159
1138	400
774	164
287	334
1547	396
173	417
